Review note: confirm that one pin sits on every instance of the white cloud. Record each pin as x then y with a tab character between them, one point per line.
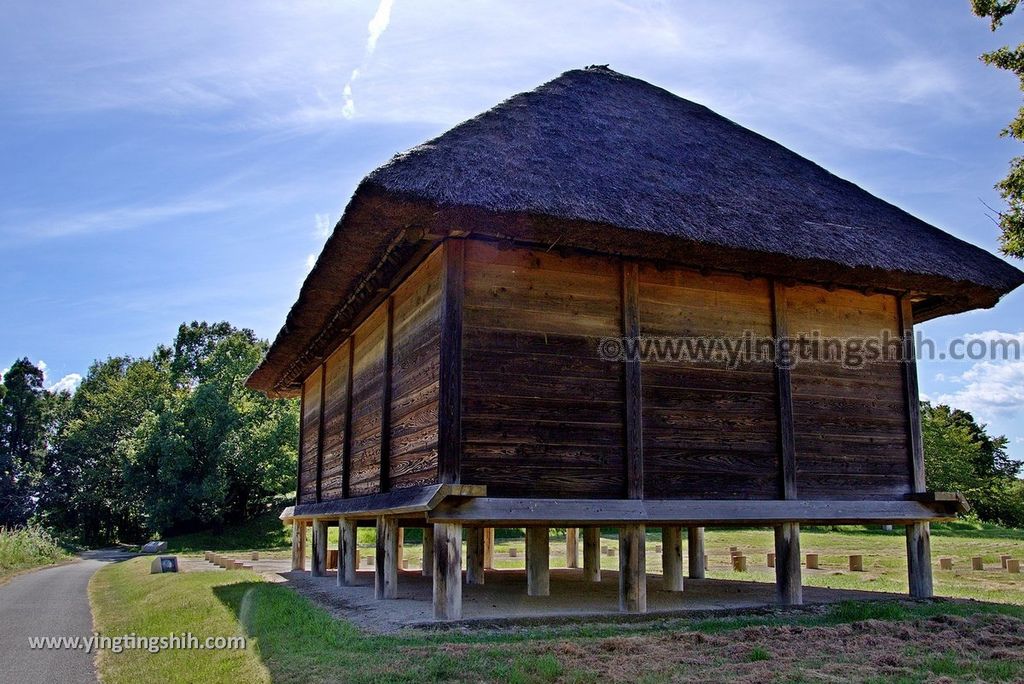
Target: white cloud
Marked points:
69	383
378	24
310	262
323	226
991	388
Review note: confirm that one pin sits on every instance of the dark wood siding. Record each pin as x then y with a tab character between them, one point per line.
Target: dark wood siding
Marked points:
542	412
309	447
414	376
850	423
710	430
367	397
335	400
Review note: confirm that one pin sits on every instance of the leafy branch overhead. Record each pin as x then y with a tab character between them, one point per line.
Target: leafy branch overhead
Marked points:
1011	188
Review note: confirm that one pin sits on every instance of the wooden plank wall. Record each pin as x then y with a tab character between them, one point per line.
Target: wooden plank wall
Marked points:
309	440
542	414
353	417
416	335
850	423
710	431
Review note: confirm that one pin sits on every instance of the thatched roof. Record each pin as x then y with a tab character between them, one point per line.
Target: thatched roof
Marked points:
601	161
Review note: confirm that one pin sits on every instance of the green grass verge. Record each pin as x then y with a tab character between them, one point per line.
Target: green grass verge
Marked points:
25	548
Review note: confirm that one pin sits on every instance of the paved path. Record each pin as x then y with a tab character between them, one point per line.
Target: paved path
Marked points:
50	602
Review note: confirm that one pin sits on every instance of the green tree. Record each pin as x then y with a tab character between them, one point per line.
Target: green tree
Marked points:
1011	188
961	456
22	439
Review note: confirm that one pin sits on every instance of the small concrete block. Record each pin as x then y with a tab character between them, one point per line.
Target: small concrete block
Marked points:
1003	559
657	548
739	563
1013	566
370	560
733	549
246	566
512	553
405	563
856	562
977	563
256	555
236	565
812	561
771	560
945	564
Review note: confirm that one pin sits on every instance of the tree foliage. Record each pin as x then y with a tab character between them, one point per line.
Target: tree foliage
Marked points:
960	456
22	439
1011	188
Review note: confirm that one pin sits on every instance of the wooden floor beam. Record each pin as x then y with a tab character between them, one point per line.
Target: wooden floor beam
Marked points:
385	584
319	560
538	576
447	571
788	590
592	554
348	557
632	569
695	552
672	558
474	555
919	560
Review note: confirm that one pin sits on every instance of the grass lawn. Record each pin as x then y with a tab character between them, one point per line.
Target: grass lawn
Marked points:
292	640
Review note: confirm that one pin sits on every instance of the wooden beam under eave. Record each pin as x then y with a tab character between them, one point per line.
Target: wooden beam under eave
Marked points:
784	392
632	386
449	414
911	396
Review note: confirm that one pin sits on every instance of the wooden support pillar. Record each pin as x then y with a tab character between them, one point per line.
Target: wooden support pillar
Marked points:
592	554
348	559
474	555
695	552
385	585
401	545
299	545
538	576
672	558
919	560
488	548
632	569
571	548
428	551
447	571
319	560
788	590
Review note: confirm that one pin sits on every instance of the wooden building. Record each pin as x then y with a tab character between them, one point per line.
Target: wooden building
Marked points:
454	344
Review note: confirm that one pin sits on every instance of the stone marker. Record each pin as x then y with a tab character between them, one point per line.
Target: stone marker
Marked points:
162	564
155	547
771	560
1013	566
812	561
977	563
856	562
945	564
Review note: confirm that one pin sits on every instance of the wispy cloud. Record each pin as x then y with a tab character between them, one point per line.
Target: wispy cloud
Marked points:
69	383
378	24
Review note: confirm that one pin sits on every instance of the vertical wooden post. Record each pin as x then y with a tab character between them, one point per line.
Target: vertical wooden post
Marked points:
298	545
911	397
632	569
695	552
538	576
447	571
474	555
449	418
788	590
592	554
672	558
919	560
348	558
385	585
401	545
428	551
319	560
488	548
784	392
571	548
634	393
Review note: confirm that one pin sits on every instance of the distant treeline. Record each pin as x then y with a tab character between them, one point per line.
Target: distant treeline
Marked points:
165	444
175	443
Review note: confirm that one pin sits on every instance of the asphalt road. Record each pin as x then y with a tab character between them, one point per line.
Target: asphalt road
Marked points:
50	602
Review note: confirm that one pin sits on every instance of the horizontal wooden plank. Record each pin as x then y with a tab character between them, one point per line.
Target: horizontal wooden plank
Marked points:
579	482
396	502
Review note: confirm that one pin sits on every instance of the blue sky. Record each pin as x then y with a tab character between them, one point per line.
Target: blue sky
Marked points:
164	162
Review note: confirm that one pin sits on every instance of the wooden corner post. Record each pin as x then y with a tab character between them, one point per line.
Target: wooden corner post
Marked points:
449	428
386	568
474	555
788	589
538	575
632	569
695	552
428	551
672	558
298	545
447	571
572	552
319	561
919	560
348	558
592	554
